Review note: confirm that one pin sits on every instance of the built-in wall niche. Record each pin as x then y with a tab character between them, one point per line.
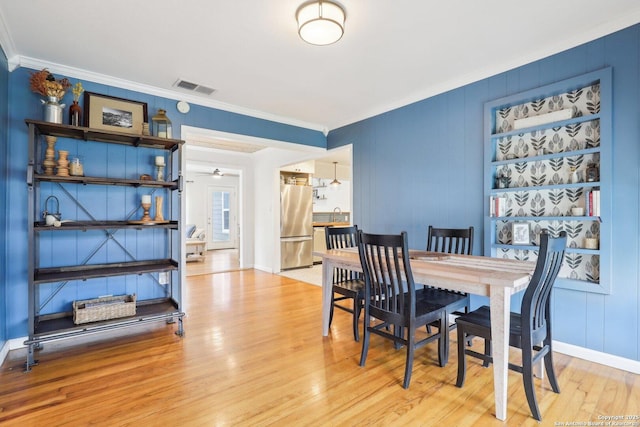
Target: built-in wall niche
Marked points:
548	167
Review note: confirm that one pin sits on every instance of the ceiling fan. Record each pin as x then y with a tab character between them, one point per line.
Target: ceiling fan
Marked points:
217	173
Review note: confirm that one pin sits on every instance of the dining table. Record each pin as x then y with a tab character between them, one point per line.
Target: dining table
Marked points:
496	278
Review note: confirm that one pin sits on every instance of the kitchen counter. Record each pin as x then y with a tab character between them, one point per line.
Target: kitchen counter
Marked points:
331	224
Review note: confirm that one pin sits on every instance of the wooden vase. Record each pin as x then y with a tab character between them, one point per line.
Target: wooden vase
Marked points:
49	162
75	114
159	216
63	163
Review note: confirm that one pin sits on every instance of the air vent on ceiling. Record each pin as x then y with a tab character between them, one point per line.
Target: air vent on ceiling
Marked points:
183	84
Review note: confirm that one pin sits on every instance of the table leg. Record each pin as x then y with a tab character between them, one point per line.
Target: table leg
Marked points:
327	278
500	304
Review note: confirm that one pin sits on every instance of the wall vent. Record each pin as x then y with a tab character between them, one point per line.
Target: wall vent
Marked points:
193	87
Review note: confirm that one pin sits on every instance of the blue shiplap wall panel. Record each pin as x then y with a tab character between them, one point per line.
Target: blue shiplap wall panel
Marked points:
432	148
112	202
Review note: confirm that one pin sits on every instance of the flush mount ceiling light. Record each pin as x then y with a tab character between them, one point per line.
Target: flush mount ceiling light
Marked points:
335	181
217	173
320	22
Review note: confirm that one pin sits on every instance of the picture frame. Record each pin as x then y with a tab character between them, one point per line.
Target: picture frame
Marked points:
520	233
114	114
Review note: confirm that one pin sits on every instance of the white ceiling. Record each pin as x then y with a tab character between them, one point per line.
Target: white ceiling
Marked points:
392	53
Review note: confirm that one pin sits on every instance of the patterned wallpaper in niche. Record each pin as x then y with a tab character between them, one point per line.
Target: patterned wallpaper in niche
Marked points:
576	266
577	136
546	172
583	102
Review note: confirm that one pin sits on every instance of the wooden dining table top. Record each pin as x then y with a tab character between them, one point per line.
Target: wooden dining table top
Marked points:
451	271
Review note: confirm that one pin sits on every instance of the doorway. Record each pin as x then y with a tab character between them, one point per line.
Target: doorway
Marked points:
222	217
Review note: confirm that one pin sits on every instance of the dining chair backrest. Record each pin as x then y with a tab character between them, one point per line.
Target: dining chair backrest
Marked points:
341	238
535	309
450	240
389	286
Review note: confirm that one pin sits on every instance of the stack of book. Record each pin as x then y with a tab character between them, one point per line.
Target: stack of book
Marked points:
592	202
497	206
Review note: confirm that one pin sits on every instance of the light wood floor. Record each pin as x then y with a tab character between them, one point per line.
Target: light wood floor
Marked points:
214	261
253	355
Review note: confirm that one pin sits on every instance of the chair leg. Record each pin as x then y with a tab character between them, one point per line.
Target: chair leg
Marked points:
487	351
408	369
462	359
331	309
365	339
527	378
398	331
443	341
548	365
356	317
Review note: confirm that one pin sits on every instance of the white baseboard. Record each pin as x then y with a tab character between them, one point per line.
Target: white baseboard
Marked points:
264	268
3	352
598	357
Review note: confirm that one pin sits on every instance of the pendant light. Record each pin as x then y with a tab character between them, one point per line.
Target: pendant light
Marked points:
335	181
320	22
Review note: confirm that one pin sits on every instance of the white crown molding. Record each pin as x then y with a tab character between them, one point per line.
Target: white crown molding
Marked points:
7	45
78	73
561	45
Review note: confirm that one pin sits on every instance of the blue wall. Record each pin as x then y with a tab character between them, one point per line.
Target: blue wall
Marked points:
4	101
423	164
106	160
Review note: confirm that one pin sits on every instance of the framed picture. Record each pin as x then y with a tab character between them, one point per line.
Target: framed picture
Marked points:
114	114
520	233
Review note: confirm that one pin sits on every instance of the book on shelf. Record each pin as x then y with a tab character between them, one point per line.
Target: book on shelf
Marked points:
592	205
498	206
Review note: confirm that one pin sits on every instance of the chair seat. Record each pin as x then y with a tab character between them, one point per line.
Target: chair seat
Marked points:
454	301
350	288
481	317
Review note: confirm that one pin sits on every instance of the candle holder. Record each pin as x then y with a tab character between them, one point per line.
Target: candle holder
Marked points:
159	168
159	172
159	216
146	205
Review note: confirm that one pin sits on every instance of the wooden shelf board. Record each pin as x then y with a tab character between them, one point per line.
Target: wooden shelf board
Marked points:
99	225
82	272
58	324
90	134
106	181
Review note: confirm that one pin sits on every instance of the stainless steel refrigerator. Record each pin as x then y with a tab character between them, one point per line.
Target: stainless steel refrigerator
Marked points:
296	226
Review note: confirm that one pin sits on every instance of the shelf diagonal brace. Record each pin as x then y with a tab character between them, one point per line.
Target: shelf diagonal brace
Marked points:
110	234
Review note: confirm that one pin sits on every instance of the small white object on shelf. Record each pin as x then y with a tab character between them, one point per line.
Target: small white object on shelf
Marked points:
553	116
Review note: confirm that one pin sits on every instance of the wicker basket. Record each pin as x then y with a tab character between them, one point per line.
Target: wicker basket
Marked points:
103	308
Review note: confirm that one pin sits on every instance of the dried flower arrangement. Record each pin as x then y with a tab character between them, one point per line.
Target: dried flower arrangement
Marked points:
44	83
77	91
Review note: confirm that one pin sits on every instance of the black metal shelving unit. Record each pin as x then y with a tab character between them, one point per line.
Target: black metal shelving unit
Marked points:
59	325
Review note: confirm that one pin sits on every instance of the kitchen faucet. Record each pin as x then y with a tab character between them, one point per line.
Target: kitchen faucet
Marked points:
338	210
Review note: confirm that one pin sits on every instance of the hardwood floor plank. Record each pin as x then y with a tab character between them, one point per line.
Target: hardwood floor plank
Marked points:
253	354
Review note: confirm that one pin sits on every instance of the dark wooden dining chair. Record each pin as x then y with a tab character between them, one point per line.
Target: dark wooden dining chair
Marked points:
528	329
391	298
452	241
346	283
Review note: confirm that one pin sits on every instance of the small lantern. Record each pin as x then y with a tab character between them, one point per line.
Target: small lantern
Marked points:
161	125
593	174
